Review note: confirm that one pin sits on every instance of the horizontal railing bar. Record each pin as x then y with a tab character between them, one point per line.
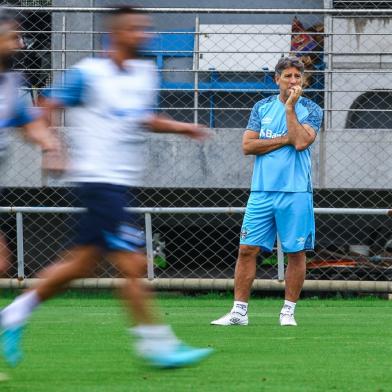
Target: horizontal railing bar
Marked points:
250	51
367	130
201	71
310	90
168	52
175	10
285	33
191	210
247	90
231	109
249	108
317	72
200	284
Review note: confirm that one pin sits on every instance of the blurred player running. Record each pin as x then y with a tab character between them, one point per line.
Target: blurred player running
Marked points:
111	100
13	109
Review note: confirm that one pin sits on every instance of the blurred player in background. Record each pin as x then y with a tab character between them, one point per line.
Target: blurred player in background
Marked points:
111	100
280	131
13	109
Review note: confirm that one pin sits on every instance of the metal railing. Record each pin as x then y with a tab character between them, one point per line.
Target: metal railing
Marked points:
148	212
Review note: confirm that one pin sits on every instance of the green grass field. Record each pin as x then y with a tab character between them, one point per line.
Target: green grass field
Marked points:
78	343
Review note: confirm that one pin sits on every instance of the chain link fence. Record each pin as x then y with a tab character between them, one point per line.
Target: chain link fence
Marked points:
214	66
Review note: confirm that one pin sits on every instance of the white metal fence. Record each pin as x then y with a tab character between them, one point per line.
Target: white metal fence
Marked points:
215	64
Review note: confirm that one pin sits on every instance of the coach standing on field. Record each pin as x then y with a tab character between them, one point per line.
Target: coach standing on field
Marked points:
280	132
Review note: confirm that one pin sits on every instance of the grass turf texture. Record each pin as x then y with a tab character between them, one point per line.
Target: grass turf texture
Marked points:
78	343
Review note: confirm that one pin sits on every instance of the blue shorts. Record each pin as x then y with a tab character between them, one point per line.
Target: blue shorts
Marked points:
106	223
290	214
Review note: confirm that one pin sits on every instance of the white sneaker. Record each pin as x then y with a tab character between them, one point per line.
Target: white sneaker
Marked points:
232	318
287	320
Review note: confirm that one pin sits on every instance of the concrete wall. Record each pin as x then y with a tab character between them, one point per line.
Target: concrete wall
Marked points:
354	159
21	166
361	82
362	40
358	159
348	87
172	162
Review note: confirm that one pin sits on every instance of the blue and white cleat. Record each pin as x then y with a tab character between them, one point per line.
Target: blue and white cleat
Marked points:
182	356
11	339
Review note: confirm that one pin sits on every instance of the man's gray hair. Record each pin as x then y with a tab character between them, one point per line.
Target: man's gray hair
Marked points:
288	62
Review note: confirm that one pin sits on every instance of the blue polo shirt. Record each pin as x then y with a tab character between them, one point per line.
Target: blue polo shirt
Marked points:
285	169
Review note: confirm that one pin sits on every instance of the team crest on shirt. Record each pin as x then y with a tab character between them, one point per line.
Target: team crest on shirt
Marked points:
244	233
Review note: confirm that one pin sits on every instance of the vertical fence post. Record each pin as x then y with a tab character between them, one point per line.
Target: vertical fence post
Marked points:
19	245
196	72
328	23
63	58
150	251
280	261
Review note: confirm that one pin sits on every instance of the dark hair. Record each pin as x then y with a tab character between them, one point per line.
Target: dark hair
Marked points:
120	11
124	10
288	62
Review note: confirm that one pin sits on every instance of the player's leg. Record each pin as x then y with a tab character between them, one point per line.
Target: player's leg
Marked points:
245	272
295	221
258	231
78	264
295	276
5	255
125	240
294	280
137	295
155	341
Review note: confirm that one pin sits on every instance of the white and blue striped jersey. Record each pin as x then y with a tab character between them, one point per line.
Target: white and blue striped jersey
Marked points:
108	109
284	169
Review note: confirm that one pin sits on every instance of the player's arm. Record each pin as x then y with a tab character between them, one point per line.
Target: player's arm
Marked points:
53	157
37	132
301	136
163	124
252	145
70	93
32	126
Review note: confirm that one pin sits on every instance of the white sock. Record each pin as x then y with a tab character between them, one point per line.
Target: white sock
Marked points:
240	307
154	339
19	310
289	306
